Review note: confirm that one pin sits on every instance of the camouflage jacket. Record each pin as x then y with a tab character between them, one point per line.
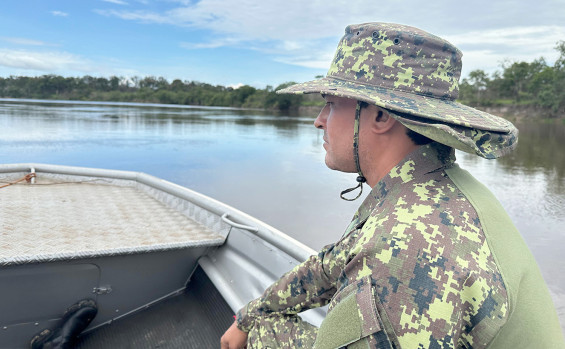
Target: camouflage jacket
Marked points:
417	268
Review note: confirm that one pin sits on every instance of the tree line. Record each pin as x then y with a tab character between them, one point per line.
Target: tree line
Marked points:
146	90
533	84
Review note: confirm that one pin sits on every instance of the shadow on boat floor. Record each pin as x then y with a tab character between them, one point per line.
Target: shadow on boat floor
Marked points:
197	318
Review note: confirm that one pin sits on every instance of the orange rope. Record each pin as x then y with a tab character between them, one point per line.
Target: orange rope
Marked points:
26	178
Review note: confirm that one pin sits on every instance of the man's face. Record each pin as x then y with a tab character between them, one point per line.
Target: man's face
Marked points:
337	119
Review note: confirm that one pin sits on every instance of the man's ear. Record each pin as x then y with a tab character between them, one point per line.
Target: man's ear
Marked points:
381	121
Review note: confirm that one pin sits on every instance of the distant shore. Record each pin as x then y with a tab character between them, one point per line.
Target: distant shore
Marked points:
521	112
540	94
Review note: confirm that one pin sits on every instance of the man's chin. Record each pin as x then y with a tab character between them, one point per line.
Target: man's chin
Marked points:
329	164
333	166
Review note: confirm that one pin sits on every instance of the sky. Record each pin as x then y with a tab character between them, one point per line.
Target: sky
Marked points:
253	42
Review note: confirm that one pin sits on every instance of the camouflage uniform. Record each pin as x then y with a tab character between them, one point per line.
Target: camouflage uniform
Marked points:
430	259
415	269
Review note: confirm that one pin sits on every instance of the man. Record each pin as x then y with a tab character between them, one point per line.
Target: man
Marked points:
430	259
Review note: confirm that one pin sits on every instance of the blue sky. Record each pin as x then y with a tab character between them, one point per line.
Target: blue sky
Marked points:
252	42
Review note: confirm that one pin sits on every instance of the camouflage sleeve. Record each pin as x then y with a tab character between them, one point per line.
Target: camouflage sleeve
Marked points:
310	284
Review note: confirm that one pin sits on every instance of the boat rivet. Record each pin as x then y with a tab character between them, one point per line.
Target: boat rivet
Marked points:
36	324
117	310
4	328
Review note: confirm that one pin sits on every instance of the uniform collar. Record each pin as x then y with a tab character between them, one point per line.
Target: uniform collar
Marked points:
426	159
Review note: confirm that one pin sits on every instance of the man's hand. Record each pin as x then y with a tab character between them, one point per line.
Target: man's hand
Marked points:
234	338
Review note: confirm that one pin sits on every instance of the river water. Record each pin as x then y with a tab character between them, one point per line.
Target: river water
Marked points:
272	166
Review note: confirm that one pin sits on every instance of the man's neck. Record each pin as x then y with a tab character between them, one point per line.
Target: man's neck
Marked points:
382	164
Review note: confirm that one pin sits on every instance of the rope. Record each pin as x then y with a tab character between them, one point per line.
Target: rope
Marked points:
26	178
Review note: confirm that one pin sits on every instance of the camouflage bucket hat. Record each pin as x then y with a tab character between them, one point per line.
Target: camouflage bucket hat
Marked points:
415	75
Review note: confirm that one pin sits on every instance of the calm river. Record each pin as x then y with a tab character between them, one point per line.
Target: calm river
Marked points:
272	166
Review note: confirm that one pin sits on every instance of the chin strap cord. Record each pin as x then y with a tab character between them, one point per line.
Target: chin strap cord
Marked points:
360	179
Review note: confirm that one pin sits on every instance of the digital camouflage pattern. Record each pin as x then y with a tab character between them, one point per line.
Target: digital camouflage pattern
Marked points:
410	71
487	144
413	270
282	332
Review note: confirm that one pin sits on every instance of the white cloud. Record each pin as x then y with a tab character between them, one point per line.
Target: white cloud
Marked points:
307	62
315	54
236	86
43	61
305	33
314	19
27	62
117	2
527	39
211	44
141	16
24	41
59	13
487	49
253	20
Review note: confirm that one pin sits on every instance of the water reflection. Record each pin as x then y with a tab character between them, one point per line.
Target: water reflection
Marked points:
541	148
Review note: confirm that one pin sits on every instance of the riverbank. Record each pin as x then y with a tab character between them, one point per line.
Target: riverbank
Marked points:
116	104
514	112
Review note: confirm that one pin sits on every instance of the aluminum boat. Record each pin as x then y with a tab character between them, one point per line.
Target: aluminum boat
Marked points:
167	267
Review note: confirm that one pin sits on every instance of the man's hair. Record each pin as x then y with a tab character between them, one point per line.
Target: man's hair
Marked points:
415	137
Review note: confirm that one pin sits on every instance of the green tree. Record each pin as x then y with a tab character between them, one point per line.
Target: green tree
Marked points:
559	79
242	93
177	85
474	88
560	62
479	80
517	77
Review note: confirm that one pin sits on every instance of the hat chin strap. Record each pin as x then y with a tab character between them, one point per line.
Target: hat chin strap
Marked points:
360	179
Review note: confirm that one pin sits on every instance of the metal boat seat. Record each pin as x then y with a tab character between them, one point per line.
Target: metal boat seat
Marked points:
57	220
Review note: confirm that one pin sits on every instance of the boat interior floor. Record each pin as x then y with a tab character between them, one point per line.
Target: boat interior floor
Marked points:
196	318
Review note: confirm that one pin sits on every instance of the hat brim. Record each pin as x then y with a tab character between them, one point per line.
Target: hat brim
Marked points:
442	110
487	144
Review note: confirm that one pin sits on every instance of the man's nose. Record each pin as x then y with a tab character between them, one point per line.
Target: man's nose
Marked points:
320	121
